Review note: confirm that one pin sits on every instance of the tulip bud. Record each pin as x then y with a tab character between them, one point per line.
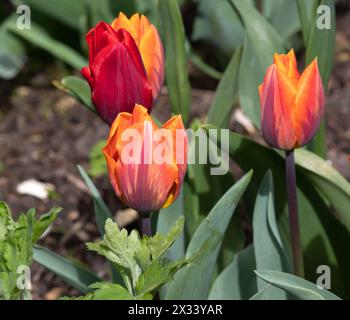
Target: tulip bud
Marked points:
126	65
146	164
292	105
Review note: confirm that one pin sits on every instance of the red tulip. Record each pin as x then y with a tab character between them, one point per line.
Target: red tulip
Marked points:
146	164
126	65
292	105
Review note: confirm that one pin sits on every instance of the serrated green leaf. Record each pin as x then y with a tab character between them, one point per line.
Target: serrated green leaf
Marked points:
159	243
16	247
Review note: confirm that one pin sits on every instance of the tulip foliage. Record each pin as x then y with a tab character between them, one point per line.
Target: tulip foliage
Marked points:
205	236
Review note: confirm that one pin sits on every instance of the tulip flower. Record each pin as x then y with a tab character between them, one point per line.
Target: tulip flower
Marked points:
292	105
126	65
146	164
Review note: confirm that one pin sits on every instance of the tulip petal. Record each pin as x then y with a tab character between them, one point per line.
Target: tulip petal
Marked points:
309	104
176	126
276	117
98	38
152	53
118	76
145	185
287	64
149	43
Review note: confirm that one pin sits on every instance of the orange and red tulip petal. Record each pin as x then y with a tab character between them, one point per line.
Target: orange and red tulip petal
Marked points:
276	120
291	105
176	126
144	186
116	76
149	43
309	104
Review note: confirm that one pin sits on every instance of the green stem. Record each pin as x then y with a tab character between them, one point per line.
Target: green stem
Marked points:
298	265
145	224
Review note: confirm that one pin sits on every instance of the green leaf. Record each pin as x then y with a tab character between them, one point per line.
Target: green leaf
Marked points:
40	38
324	237
266	293
175	57
204	67
261	42
140	260
237	281
159	243
251	75
109	291
16	247
12	51
157	274
66	11
102	212
220	110
321	44
299	287
305	19
285	24
214	23
328	181
264	39
41	225
69	271
97	161
189	282
78	89
268	246
166	219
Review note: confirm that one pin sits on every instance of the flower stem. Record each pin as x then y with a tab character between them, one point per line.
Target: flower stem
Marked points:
145	224
298	265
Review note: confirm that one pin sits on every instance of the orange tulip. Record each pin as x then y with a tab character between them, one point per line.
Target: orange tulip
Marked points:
292	105
146	164
149	44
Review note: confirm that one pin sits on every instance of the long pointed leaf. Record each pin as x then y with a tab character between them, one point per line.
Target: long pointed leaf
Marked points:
69	271
192	282
175	57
